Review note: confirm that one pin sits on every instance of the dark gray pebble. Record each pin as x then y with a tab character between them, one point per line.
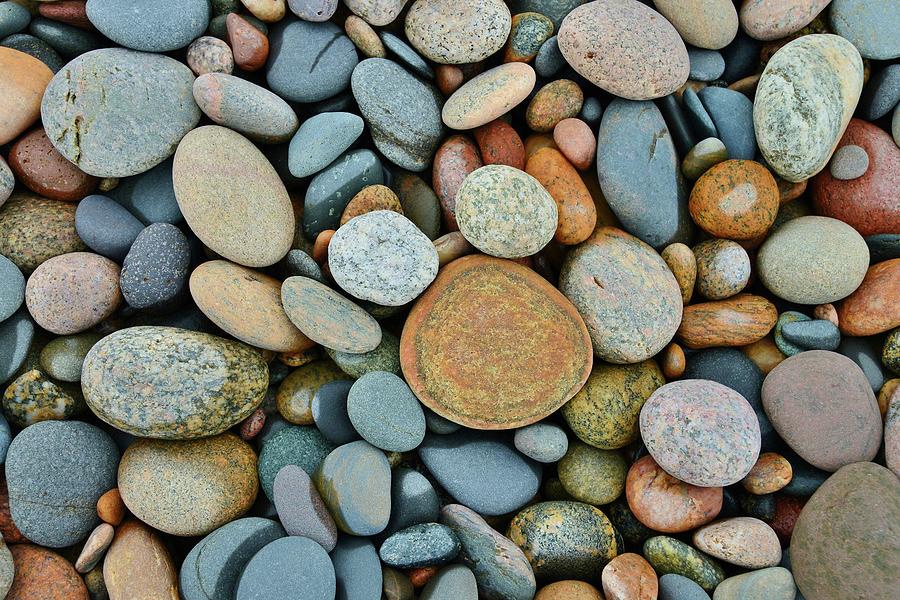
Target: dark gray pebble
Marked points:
881	94
423	545
413	500
299	263
297	445
68	40
156	267
438	424
883	246
695	113
332	189
38	48
591	111
549	59
106	226
150	196
867	355
732	113
329	410
5	438
817	334
741	57
806	478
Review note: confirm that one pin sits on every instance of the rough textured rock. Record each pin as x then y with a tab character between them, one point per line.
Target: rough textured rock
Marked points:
450	32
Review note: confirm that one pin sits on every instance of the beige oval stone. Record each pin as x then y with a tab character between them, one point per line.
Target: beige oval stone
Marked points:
708	24
743	541
767	20
232	197
23	80
488	96
138	566
451	32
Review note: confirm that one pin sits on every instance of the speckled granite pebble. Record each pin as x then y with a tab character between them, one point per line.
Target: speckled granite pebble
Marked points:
33	397
723	268
668	555
208	54
156	267
488	96
304	447
290	567
63	358
427	544
543	442
448	32
34	229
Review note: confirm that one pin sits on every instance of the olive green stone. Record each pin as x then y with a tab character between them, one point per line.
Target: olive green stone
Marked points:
163	382
34	229
33	397
668	555
788	316
702	157
304	447
63	357
890	354
385	357
592	475
604	413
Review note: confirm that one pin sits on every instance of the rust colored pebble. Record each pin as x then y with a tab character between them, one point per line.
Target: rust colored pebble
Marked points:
770	473
8	529
454	160
683	264
320	246
252	425
500	145
789	190
452	246
576	213
735	200
110	507
737	321
873	308
38	165
249	45
787	511
303	357
569	589
826	312
71	12
673	361
576	141
629	577
364	37
371	198
43	575
448	78
138	565
421	576
558	100
764	353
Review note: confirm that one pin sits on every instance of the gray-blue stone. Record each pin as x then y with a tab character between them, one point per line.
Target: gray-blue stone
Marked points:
413	500
68	40
213	566
150	196
56	471
695	113
5	438
677	587
16	334
106	226
481	470
14	18
454	582
706	65
329	411
649	200
156	267
297	445
881	94
732	114
385	412
438	424
308	61
741	57
12	288
591	111
357	569
806	478
543	442
157	26
331	190
867	355
39	49
299	263
290	567
423	545
817	334
405	54
402	112
320	140
549	60
870	25
555	10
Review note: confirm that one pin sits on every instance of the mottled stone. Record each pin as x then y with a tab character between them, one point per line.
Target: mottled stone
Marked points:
364	37
488	96
427	544
24	80
774	21
419	203
43	575
668	555
723	268
448	32
33	397
249	44
156	267
138	564
870	309
770	473
456	158
291	566
500	144
569	589
34	229
736	321
537	375
629	577
528	32
735	199
7	179
370	199
304	447
208	54
355	481
560	99
592	475
38	165
376	12
295	394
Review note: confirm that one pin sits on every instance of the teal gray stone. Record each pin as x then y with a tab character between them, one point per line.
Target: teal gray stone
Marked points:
870	25
158	26
290	567
385	412
454	582
591	111
651	205
438	424
14	18
297	445
106	227
68	40
788	316
706	65
56	471
678	587
772	583
12	289
308	61
549	60
329	411
150	196
881	93
402	112
866	353
406	55
817	334
543	442
413	500
357	569
385	357
213	566
732	114
331	190
320	140
423	545
38	48
16	335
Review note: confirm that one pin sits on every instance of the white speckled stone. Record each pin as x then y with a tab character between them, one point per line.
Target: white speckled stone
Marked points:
452	32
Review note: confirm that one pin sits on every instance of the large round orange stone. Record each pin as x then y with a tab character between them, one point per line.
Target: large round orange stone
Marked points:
492	345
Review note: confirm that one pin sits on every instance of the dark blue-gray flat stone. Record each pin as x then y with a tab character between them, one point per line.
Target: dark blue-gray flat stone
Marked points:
156	267
706	65
413	500
405	54
549	59
14	18
732	114
357	569
106	226
817	334
150	196
329	411
320	140
331	190
38	48
881	94
68	40
16	335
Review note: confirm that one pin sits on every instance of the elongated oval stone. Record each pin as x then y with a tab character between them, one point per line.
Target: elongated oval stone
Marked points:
168	383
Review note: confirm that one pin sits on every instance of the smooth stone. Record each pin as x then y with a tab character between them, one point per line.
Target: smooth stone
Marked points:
735	200
7	179
289	567
16	335
531	382
696	116
385	357
706	65
36	164
880	94
569	589
332	188
295	394
560	99
427	544
732	114
723	268
403	113
355	482
817	334
614	278
320	140
156	267
774	21
150	196
669	555
69	41
576	141
419	203
385	412
232	197
36	48
564	539
679	122
40	573
701	432
501	569
138	564
55	472
804	100
543	442
245	107
813	260
883	247
308	61
300	263
106	227
870	309
188	487
33	397
868	25
736	321
742	541
703	23
625	49
12	288
25	80
799	398
13	18
413	501
891	436
773	583
247	38
527	34
5	440
481	470
329	411
154	27
313	10
62	359
681	261
449	33
592	475
127	381
488	96
629	577
849	162
365	37
304	447
357	569
549	60
208	54
677	587
454	582
34	229
850	524
457	157
654	206
406	55
301	509
92	125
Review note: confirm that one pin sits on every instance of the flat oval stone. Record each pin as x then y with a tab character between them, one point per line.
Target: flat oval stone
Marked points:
564	539
488	96
560	99
732	114
403	113
357	568
451	582
13	19
413	501
773	583
168	383
427	544
320	140
376	12
804	100
652	207
592	475
849	162
138	563
701	432
34	229
615	278
456	158
150	196
40	573
677	587
151	27
245	107
292	566
822	405
736	321
12	288
313	10
813	260
385	357
868	25
91	124
770	21
37	164
849	524
355	483
188	487
770	473
55	472
248	41
681	261
669	555
73	292
723	268
870	309
450	33
308	61
331	189
709	24
386	414
576	211
500	567
25	80
543	442
301	509
629	577
534	379
481	470
624	48
63	358
735	199
232	197
106	226
16	335
666	504
742	541
569	589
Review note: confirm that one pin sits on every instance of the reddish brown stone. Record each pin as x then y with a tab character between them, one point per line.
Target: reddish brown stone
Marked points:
735	200
770	473
868	203
789	190
673	361
787	511
138	565
448	78
249	45
110	507
8	529
39	166
558	100
577	215
44	575
371	198
874	307
252	425
629	577
500	144
454	160
320	246
737	321
421	576
23	80
576	141
72	12
826	312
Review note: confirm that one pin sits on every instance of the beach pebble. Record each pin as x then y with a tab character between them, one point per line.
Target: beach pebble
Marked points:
301	509
543	442
450	33
385	412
